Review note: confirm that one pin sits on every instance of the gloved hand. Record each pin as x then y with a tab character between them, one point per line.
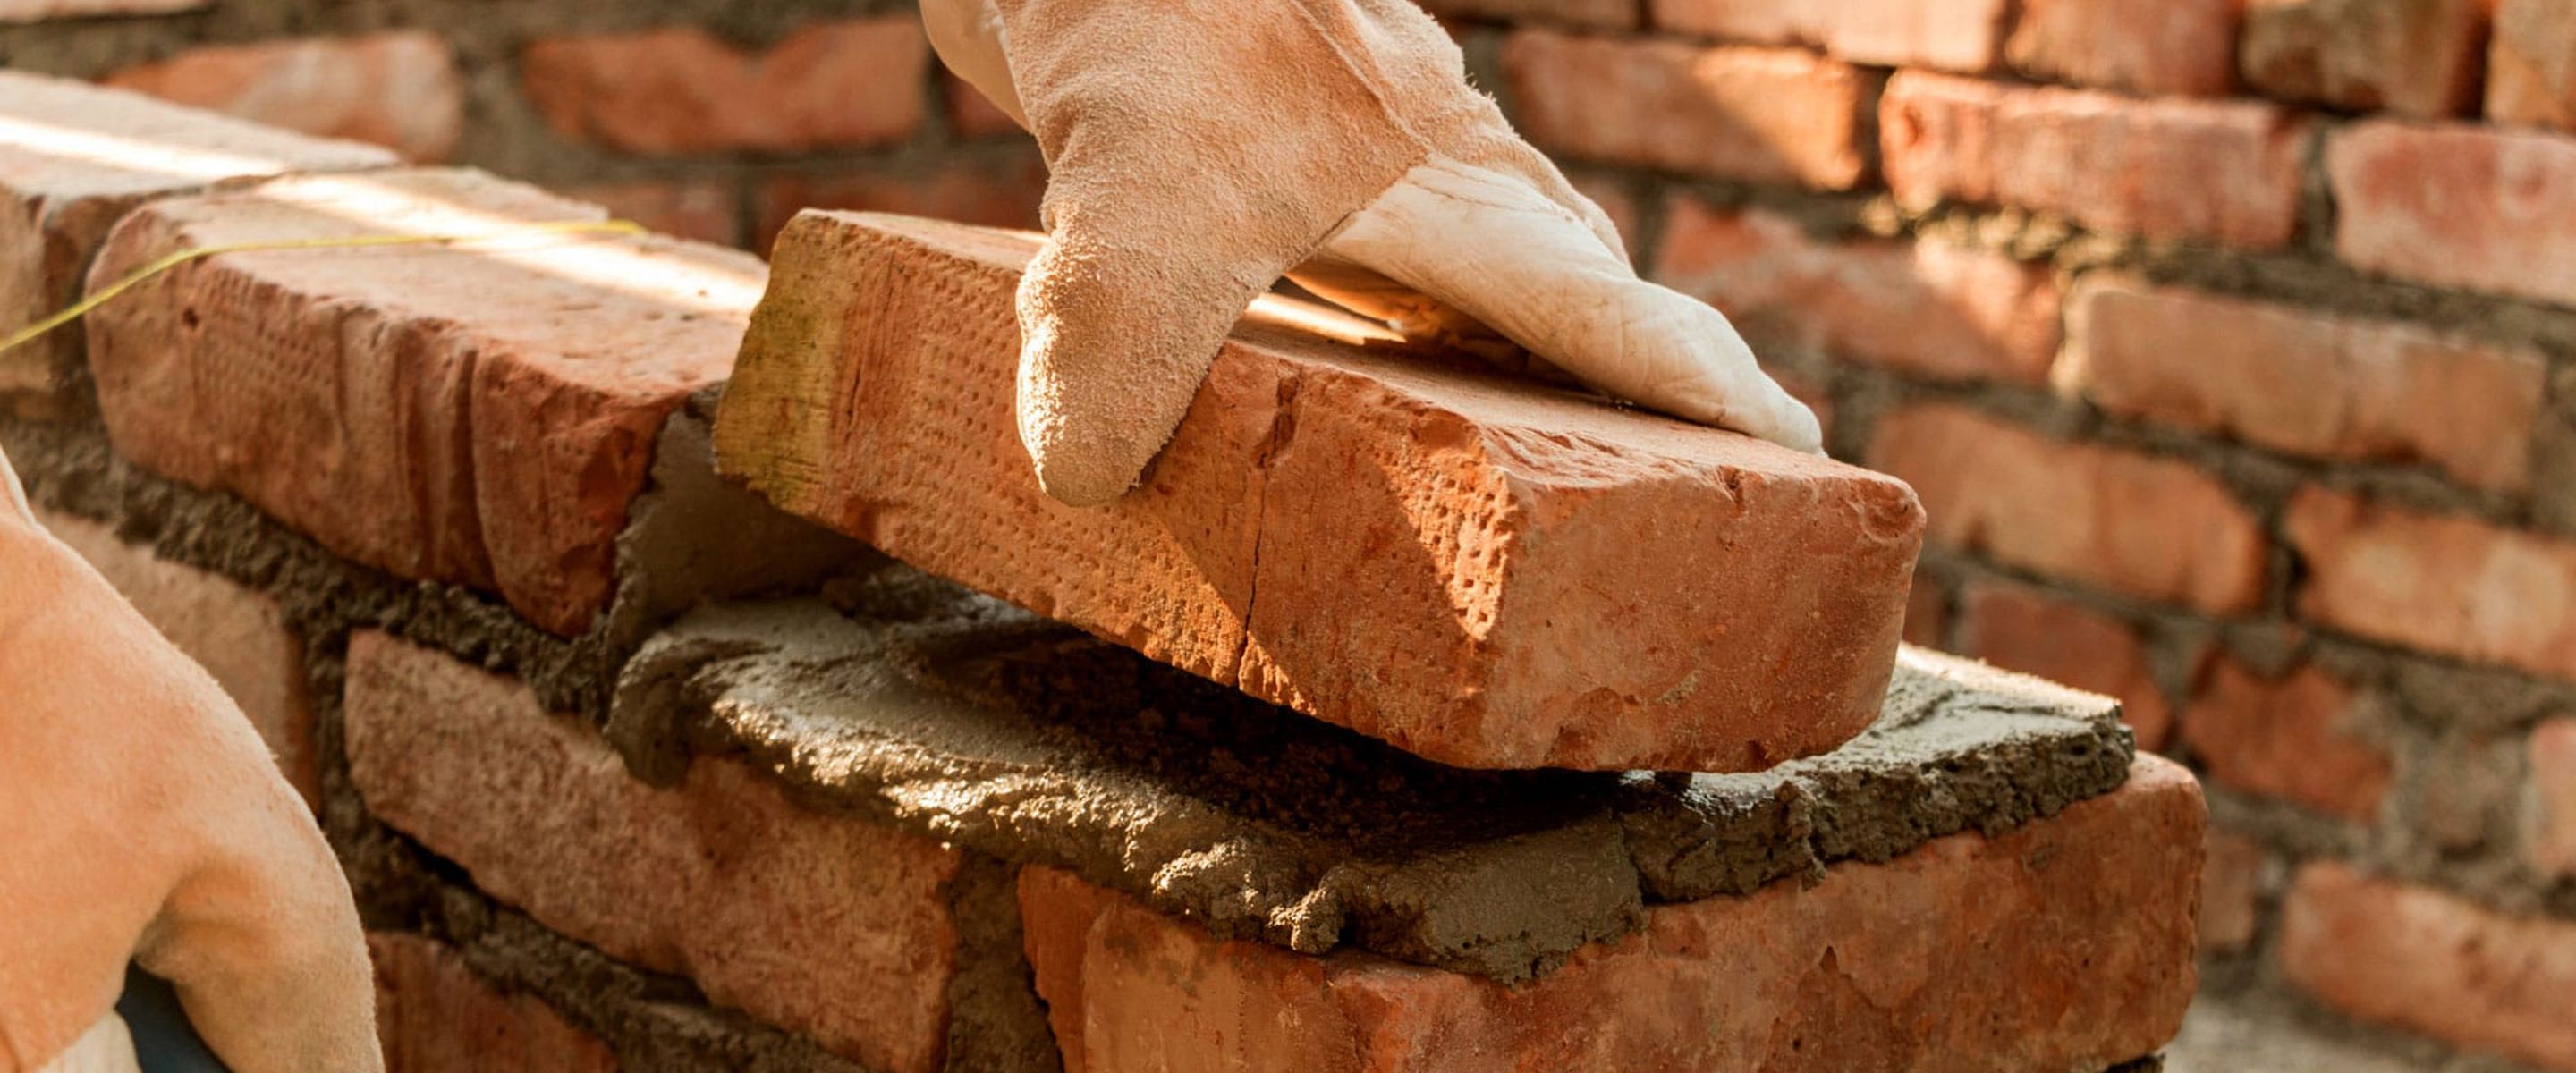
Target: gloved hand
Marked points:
145	821
1198	150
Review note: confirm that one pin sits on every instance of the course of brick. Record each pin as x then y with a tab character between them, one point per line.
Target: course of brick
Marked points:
1499	610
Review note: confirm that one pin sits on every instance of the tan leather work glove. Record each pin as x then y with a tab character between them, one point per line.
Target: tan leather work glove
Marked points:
1198	150
141	819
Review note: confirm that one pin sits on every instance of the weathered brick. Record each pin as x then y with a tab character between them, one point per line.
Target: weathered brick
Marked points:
2224	171
399	90
42	10
2305	737
1474	571
2549	824
2531	64
2150	527
2306	382
1588	14
1765	115
993	193
478	414
434	1015
822	925
698	211
2141	46
2064	944
2457	205
2412	57
237	634
2440	584
74	158
2231	891
831	85
2020	629
2432	963
1956	35
1927	308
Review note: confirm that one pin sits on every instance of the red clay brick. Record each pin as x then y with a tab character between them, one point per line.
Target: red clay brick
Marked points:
2549	831
1763	115
1927	308
2231	891
2531	64
1927	613
2141	46
1477	571
2412	57
399	90
1956	35
2306	382
74	158
697	211
2064	944
2439	584
2457	206
2150	527
2432	963
831	85
237	634
42	10
2224	171
480	415
1588	14
972	115
434	1015
822	925
2020	629
986	193
2304	737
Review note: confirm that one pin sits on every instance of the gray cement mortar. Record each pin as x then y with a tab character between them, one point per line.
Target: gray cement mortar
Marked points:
913	702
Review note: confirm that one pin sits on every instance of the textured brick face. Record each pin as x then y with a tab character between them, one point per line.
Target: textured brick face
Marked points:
832	85
821	925
2141	46
1929	309
398	90
494	410
2432	963
2019	629
1955	35
2064	944
2457	206
2306	382
2226	171
2148	527
74	158
2412	57
1759	114
434	1015
1446	561
2438	584
2305	737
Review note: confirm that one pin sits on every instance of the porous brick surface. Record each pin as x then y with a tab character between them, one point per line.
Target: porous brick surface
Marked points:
2455	205
2066	944
74	158
2305	382
2432	962
822	925
1478	571
493	409
2149	527
2437	583
830	85
2221	171
400	90
238	634
434	1015
2304	737
1946	312
1763	114
2141	46
2412	57
1958	35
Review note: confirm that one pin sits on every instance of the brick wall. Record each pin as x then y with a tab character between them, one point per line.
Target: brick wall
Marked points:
2228	344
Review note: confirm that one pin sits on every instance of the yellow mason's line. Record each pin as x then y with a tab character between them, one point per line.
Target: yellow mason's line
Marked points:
104	295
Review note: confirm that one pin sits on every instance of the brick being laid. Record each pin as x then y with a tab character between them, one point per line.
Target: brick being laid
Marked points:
1482	572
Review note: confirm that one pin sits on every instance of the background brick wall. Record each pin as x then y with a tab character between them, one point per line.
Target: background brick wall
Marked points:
2230	343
